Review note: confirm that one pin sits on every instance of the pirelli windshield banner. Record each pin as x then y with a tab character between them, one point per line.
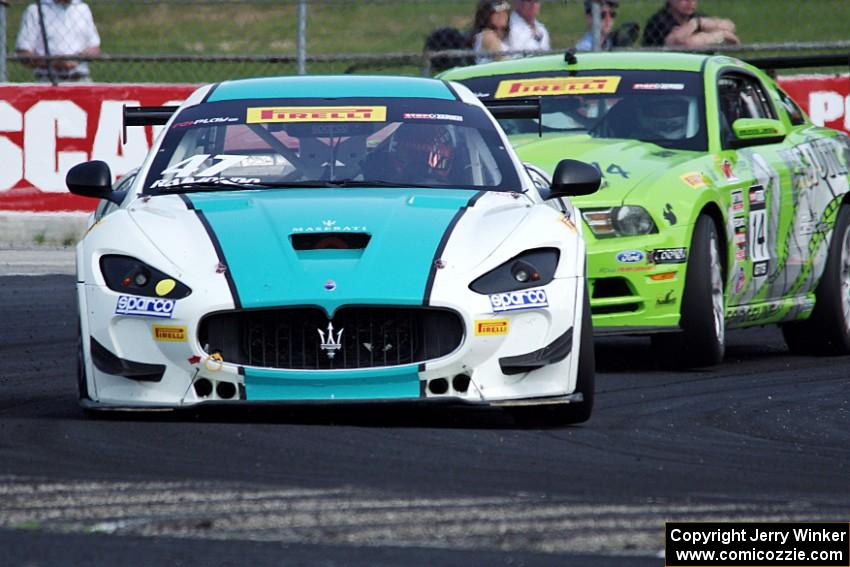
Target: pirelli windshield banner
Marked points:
551	86
330	113
757	544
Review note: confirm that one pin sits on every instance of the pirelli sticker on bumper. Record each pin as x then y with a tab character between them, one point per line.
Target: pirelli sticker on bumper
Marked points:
550	86
169	333
267	114
694	179
491	327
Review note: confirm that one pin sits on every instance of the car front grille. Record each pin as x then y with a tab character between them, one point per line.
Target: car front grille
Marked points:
293	338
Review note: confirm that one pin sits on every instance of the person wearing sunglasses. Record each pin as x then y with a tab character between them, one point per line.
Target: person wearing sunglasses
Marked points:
607	13
678	24
527	33
490	30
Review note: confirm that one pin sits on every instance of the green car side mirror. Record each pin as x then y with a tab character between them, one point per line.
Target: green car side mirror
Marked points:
756	131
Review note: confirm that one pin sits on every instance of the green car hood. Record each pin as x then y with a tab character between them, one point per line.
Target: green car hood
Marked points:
625	164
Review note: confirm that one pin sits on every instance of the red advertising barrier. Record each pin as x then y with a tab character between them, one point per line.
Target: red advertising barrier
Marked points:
45	130
825	98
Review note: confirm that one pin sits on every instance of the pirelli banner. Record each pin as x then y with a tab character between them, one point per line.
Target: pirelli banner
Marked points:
46	130
826	98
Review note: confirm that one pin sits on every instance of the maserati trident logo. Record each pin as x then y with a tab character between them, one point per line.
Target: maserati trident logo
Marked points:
331	345
328	223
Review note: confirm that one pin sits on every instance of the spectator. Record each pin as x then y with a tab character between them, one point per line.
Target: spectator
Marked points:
490	30
527	33
607	13
442	39
70	30
679	24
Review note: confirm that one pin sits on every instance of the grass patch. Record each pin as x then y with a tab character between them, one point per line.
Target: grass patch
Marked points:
28	525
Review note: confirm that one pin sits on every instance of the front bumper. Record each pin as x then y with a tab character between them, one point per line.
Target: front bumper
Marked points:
637	296
191	376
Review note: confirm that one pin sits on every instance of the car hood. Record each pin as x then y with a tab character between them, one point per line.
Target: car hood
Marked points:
625	164
395	235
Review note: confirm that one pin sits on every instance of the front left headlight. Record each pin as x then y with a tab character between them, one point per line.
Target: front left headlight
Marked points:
532	268
126	274
628	220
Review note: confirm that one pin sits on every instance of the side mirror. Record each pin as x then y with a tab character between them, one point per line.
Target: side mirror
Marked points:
91	179
756	131
573	178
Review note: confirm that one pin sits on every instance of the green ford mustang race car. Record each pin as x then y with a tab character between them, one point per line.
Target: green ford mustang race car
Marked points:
722	205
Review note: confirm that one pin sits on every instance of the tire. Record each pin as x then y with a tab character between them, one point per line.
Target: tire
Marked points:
827	330
702	340
579	412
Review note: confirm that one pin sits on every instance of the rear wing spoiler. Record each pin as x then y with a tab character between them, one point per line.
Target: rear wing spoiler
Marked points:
517	108
146	116
771	64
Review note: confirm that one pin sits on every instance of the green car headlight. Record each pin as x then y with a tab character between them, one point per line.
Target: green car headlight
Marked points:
628	220
125	274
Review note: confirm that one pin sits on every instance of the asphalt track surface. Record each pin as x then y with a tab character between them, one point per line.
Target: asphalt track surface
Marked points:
763	437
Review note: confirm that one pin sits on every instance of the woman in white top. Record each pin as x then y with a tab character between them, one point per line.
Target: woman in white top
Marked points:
490	30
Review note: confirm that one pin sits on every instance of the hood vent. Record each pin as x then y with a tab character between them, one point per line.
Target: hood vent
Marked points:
330	241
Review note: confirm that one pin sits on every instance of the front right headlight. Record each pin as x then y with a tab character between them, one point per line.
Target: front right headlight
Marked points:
628	220
126	274
531	268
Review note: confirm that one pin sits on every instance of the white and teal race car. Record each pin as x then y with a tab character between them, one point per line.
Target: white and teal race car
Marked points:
722	205
333	239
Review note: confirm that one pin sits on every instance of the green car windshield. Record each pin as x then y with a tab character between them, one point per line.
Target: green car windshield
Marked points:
662	107
341	142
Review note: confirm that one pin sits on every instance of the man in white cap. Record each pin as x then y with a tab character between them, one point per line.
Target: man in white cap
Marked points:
70	31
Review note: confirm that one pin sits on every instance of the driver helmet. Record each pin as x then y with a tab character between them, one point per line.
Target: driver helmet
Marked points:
424	148
666	116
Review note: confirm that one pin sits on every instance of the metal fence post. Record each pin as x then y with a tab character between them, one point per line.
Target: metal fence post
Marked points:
596	16
301	42
3	5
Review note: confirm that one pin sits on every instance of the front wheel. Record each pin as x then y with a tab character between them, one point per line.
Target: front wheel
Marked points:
702	340
827	331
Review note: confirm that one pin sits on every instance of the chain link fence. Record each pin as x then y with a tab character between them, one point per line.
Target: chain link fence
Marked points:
198	41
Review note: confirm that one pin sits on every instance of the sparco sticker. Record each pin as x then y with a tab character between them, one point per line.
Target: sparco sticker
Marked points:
550	86
144	306
514	300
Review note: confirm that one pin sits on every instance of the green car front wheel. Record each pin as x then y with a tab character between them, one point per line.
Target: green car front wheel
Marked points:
702	340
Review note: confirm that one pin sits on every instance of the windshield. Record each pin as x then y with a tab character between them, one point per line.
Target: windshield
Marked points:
331	143
662	107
